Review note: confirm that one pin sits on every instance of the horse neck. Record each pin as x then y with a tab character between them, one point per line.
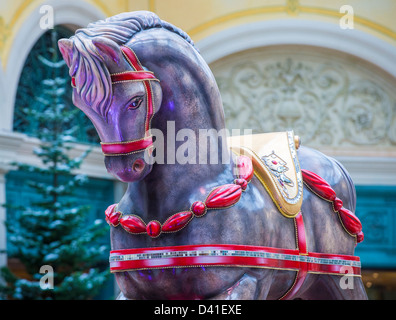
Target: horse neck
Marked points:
191	103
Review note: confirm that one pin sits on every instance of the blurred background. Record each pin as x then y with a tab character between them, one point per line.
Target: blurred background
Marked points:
325	69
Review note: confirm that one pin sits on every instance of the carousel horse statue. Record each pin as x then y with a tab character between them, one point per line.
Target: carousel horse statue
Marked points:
275	221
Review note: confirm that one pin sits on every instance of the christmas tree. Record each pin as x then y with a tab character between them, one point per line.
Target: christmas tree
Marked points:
53	238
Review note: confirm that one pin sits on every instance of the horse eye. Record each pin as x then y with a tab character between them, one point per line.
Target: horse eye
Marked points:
135	103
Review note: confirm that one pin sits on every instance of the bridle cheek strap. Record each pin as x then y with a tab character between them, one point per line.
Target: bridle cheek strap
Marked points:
139	74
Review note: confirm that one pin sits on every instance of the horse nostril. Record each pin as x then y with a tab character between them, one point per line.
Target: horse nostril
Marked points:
138	165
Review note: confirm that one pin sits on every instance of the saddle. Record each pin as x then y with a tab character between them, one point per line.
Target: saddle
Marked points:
275	163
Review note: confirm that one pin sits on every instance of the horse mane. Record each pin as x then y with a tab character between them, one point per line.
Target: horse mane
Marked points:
88	67
122	27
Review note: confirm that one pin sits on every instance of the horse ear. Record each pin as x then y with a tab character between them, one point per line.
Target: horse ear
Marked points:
66	49
109	50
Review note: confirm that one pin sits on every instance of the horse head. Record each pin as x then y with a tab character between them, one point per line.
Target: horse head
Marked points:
119	96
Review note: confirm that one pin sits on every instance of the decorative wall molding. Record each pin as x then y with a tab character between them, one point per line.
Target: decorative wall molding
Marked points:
327	99
340	104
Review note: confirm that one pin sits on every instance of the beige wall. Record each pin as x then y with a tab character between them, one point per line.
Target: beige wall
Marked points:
205	17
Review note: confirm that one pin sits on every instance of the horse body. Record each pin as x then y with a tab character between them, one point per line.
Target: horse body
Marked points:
255	220
188	97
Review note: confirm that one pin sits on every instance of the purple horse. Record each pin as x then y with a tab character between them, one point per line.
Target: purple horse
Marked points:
176	234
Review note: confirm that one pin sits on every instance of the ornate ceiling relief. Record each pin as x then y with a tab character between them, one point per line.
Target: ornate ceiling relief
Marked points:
327	98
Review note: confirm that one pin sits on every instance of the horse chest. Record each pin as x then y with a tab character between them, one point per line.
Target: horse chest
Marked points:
178	283
221	226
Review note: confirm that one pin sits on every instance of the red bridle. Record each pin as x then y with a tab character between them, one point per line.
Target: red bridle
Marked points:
139	74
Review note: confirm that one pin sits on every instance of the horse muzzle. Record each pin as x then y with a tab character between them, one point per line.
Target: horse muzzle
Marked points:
126	160
128	168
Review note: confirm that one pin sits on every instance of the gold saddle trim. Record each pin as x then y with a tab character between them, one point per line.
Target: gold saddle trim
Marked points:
275	163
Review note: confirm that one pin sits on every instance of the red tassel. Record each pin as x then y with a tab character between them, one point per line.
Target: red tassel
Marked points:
360	237
350	221
224	196
318	185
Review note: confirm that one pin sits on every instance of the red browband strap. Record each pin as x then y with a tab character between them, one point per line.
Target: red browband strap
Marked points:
139	74
132	76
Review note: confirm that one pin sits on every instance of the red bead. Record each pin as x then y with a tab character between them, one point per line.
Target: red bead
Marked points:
198	208
241	182
112	217
245	168
133	224
224	196
153	228
110	209
177	221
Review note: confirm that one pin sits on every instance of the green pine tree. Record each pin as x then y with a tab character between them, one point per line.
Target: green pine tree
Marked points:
55	231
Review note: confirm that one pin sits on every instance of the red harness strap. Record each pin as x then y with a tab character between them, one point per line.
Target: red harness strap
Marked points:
135	64
132	76
230	255
302	249
139	74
